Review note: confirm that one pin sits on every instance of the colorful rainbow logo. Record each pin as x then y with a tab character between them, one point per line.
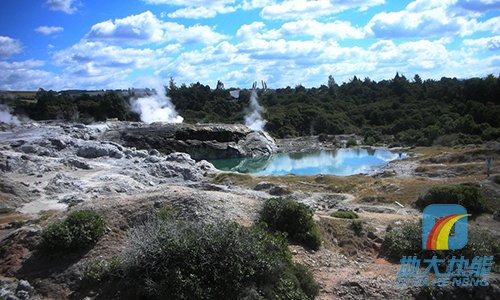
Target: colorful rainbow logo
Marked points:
440	232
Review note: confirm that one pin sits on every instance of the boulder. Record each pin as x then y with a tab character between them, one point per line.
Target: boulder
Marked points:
95	150
496	215
79	164
263	185
279	190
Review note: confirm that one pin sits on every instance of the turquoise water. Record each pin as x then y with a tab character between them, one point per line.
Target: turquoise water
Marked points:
342	162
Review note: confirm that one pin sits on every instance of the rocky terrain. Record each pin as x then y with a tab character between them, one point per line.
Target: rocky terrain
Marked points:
205	141
125	171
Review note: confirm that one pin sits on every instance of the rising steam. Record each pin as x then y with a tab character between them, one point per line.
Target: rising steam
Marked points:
7	117
254	119
156	108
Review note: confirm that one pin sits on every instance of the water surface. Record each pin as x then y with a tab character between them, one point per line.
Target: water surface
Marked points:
342	162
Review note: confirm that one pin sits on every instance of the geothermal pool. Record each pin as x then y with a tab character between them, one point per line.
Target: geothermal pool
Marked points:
343	162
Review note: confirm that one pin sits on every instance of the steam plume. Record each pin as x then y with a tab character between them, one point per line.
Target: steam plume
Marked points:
156	108
7	117
254	119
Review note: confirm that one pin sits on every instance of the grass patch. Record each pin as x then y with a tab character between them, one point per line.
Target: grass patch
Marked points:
294	219
339	233
317	183
5	210
345	215
80	230
169	259
167	213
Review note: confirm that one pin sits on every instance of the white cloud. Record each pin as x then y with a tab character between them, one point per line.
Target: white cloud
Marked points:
309	9
145	28
97	59
435	18
203	9
25	75
256	30
201	12
66	6
492	25
9	47
48	30
487	43
478	5
420	19
336	29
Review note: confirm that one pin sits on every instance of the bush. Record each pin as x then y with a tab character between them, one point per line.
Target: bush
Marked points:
467	195
345	215
405	239
351	142
169	259
357	227
80	230
293	218
100	270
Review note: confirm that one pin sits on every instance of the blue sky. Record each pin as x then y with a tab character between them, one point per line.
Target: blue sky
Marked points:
83	44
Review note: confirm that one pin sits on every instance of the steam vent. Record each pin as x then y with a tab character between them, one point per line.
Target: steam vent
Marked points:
205	141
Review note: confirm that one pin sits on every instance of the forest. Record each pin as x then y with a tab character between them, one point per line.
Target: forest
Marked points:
397	111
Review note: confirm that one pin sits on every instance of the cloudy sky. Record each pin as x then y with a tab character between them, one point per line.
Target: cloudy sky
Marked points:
67	44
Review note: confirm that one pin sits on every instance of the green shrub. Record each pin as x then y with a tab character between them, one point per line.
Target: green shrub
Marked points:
405	239
100	270
370	141
345	215
467	195
171	259
80	230
351	142
5	210
357	227
306	280
293	218
57	236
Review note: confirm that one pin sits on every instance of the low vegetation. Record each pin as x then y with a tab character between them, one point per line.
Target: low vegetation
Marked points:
5	210
169	259
294	219
345	215
341	235
80	230
467	195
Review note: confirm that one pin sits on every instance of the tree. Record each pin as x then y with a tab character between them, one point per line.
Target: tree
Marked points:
171	84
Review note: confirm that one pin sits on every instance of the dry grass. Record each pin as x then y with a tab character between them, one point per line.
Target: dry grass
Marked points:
339	233
318	183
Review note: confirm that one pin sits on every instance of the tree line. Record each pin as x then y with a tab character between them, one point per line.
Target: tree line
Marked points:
399	110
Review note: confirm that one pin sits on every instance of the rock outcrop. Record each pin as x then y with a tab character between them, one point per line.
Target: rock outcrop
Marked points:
48	167
210	141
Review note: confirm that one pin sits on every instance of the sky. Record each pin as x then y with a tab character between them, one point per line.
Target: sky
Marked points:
118	44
